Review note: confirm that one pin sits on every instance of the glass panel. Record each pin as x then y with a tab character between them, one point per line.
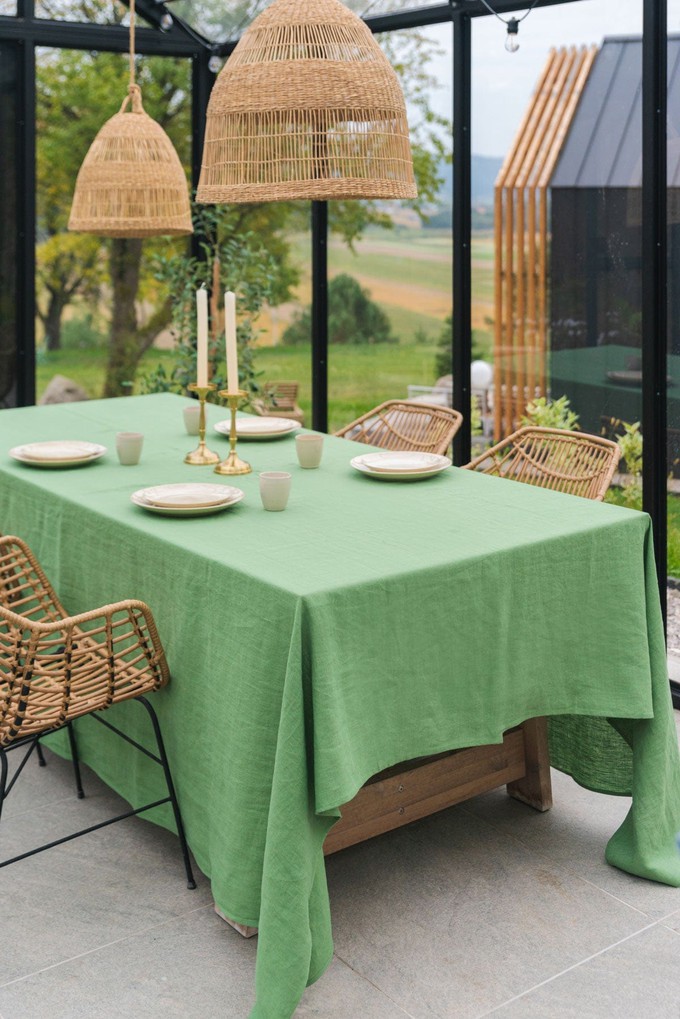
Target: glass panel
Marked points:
103	332
285	228
101	12
8	7
9	228
564	127
390	286
219	22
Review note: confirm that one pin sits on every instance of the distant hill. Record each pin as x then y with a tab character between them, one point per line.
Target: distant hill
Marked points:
484	172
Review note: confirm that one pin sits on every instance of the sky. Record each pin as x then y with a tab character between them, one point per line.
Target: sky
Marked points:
502	82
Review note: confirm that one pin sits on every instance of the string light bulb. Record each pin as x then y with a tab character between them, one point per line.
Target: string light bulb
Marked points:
511	24
511	40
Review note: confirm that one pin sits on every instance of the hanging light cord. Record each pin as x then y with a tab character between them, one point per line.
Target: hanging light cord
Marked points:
132	45
497	15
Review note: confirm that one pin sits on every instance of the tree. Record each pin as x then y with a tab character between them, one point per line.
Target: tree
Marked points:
67	264
230	261
352	317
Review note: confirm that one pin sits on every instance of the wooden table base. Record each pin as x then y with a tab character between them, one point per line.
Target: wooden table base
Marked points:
415	789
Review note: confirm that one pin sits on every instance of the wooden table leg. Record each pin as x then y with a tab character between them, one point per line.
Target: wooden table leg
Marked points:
246	932
536	787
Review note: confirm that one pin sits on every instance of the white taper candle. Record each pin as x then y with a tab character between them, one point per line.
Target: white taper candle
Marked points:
230	331
202	336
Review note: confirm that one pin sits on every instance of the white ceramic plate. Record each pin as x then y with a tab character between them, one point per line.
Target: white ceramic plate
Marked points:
185	496
259	427
406	462
139	499
358	465
57	453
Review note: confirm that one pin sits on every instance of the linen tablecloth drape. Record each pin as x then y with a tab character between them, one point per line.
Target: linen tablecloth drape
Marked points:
369	623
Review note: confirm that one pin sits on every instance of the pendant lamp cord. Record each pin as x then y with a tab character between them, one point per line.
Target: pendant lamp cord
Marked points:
132	45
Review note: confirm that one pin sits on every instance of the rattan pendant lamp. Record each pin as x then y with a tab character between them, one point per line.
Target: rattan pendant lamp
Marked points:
131	183
306	107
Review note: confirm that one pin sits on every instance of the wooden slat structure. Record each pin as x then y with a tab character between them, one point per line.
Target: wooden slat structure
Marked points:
521	235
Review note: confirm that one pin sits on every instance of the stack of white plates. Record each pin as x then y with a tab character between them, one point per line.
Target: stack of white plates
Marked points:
400	466
57	453
188	500
262	428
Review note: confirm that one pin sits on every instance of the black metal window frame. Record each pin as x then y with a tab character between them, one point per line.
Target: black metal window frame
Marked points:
181	40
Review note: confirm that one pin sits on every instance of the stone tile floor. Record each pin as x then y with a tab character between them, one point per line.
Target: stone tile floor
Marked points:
485	909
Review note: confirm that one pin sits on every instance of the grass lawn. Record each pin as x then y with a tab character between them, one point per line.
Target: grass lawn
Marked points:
359	377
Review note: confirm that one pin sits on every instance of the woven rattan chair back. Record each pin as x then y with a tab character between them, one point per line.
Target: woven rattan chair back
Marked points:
572	462
400	425
53	667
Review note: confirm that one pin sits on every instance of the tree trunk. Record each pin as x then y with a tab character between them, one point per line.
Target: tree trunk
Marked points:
52	320
125	349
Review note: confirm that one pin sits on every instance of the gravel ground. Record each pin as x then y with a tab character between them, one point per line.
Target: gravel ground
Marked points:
673	622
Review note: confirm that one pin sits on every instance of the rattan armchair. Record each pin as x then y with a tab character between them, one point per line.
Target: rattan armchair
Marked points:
572	462
55	668
402	424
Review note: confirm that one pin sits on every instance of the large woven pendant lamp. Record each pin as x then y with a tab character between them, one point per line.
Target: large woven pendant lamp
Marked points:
131	183
307	106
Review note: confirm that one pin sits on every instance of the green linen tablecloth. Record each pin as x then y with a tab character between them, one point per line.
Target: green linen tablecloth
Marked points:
370	623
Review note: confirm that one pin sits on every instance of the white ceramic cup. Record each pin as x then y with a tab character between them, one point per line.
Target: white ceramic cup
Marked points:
191	414
274	490
309	450
129	447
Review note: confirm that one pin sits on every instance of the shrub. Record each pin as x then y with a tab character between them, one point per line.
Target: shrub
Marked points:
544	413
352	317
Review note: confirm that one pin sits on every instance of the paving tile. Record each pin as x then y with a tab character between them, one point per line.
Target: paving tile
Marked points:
673	922
86	893
638	978
448	917
38	786
574	835
193	967
343	994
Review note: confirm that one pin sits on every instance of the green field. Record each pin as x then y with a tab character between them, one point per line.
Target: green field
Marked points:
359	377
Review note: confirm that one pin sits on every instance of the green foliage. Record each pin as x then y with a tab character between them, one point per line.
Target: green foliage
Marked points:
544	413
82	334
352	317
443	364
247	267
630	444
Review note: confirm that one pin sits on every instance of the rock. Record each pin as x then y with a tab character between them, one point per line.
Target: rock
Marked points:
63	390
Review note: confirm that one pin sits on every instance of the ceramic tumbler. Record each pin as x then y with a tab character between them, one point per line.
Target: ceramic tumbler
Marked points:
274	490
129	447
191	415
309	450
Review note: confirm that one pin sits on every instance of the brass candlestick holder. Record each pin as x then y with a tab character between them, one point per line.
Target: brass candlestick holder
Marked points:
233	464
201	455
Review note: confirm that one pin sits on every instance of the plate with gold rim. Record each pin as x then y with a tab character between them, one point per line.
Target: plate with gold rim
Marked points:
259	428
197	509
57	453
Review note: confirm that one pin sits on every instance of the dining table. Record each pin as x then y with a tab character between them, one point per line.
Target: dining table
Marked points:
371	622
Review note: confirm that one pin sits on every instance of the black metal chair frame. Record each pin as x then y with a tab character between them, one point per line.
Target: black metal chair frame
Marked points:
33	743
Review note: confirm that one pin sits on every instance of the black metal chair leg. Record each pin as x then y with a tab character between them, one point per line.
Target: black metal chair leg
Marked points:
74	758
3	777
191	883
41	757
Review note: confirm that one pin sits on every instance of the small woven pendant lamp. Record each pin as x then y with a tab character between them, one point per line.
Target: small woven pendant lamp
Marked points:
306	107
131	182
